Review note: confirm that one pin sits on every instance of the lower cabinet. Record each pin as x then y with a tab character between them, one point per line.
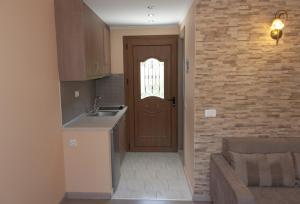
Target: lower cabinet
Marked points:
122	135
93	160
118	150
88	164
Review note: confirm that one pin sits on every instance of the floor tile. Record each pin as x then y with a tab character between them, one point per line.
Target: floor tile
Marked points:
75	201
152	176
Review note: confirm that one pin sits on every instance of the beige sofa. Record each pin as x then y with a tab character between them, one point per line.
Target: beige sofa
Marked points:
226	186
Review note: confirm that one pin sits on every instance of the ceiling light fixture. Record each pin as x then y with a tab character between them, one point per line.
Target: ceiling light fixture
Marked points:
150	7
151	15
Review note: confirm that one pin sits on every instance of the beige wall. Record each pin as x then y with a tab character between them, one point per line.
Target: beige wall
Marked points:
88	165
31	170
188	27
116	37
253	84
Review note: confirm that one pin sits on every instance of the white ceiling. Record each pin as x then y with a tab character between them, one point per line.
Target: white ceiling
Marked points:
135	12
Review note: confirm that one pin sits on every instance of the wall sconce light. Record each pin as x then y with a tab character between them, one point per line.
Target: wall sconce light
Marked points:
278	25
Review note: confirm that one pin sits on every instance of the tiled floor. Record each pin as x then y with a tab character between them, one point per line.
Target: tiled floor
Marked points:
129	202
152	176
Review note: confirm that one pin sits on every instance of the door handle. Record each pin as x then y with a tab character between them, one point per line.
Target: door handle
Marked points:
173	100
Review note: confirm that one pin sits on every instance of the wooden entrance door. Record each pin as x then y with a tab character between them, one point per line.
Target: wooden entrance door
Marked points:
151	92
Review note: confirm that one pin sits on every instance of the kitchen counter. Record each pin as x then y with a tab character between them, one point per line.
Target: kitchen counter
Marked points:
93	149
105	123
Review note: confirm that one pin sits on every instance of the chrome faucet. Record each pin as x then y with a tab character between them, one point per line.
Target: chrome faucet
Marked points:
97	105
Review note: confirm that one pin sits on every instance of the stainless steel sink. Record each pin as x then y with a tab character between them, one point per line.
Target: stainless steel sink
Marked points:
111	108
103	114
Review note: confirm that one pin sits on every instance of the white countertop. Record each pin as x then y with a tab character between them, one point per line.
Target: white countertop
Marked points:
105	123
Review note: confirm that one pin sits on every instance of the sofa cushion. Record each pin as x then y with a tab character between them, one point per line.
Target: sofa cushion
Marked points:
265	169
258	145
276	195
297	164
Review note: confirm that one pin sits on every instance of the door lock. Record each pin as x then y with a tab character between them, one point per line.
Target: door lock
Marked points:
173	100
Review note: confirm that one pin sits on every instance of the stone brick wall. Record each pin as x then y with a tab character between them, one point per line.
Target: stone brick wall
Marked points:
253	84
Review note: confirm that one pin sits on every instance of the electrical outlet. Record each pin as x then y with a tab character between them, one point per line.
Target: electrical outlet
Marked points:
72	143
76	94
210	113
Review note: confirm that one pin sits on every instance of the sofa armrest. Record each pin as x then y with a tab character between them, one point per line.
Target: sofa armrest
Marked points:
225	186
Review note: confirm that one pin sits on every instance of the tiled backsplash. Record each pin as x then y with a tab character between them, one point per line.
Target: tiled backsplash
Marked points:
71	106
111	89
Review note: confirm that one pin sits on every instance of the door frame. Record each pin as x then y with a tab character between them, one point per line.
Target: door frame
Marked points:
181	93
129	85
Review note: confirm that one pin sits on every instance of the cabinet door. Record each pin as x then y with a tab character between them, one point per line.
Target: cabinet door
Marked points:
107	61
100	41
82	53
122	137
91	48
70	33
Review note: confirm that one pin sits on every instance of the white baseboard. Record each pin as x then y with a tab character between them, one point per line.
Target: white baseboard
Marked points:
88	195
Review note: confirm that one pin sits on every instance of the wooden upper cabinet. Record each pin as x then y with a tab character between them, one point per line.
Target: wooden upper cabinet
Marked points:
107	58
81	42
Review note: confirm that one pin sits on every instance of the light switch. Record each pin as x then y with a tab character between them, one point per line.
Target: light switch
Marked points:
210	113
72	143
76	94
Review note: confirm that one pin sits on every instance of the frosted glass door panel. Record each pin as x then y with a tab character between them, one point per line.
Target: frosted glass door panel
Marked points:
152	78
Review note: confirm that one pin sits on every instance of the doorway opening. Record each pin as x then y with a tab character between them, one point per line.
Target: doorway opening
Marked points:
152	167
151	92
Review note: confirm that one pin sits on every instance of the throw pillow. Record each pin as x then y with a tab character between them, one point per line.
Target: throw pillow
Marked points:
265	170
